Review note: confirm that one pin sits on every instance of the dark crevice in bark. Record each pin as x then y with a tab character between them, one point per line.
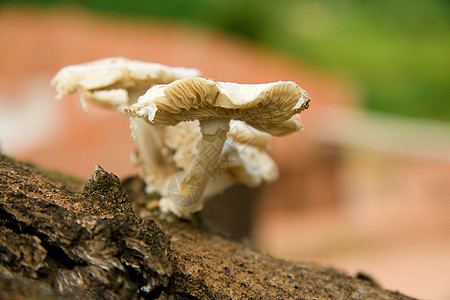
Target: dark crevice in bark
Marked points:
54	253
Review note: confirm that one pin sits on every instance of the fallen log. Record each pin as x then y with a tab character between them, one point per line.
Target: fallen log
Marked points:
61	241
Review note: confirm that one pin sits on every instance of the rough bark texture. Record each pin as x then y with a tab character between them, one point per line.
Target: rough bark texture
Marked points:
57	241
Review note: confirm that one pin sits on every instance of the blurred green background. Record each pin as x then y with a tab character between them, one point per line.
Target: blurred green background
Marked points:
396	51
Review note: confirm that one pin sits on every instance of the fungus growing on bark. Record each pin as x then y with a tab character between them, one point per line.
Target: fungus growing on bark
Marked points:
267	107
203	149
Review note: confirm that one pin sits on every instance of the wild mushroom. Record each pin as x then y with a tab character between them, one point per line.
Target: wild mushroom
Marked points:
117	82
266	107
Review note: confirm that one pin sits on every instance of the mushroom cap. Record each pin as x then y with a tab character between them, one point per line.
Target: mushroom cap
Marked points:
115	73
267	107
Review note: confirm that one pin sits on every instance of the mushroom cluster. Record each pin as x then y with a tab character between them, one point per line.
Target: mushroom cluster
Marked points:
195	137
115	83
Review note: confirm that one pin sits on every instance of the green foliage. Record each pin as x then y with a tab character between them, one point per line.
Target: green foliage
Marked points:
397	50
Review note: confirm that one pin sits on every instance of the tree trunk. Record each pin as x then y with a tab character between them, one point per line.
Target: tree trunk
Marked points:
60	241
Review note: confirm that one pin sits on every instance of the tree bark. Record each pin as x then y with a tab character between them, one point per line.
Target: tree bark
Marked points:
60	241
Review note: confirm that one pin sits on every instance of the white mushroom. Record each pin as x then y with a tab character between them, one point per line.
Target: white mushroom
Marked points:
115	83
266	107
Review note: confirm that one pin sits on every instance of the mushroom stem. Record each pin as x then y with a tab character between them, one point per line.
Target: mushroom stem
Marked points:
207	160
151	154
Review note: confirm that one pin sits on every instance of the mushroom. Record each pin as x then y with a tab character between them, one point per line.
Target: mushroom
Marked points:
244	160
117	82
267	107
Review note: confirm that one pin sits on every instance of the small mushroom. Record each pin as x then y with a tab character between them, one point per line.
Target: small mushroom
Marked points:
244	160
267	107
117	82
